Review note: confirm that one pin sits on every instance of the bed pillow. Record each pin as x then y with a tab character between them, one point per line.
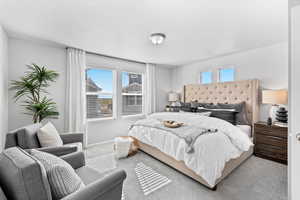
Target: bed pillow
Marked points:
48	136
228	115
61	176
241	116
207	114
185	107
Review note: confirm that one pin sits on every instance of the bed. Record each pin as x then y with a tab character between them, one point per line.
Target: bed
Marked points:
153	141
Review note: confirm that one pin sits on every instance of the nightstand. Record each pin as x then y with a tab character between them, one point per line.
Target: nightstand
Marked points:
270	142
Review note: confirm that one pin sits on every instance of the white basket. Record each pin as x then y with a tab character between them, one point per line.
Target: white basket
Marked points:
122	146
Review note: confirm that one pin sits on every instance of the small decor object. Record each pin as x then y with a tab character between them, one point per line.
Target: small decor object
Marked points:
275	98
125	146
172	124
281	115
269	121
167	108
32	86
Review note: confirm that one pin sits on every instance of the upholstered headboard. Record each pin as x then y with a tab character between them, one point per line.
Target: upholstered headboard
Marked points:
227	92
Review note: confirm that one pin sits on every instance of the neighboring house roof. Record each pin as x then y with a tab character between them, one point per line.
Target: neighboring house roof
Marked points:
132	88
91	86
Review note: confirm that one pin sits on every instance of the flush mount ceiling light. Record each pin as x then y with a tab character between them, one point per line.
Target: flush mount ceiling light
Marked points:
157	38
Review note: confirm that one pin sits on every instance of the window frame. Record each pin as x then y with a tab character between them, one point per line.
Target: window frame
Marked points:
212	77
113	94
224	68
141	94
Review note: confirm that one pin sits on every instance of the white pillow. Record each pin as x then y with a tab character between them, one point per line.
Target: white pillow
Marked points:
48	136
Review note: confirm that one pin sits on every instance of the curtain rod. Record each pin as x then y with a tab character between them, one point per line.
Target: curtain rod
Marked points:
98	54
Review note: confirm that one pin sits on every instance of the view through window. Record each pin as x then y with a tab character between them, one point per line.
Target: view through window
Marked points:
132	95
99	93
206	77
226	75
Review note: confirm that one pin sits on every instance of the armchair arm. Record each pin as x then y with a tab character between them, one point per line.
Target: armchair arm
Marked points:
68	138
76	160
58	151
110	187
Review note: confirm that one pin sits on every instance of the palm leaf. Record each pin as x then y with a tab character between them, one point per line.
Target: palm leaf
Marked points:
31	86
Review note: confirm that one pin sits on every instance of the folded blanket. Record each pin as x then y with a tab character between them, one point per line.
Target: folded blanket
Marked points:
189	133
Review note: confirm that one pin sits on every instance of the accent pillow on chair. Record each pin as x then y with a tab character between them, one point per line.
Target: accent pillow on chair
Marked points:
62	177
48	136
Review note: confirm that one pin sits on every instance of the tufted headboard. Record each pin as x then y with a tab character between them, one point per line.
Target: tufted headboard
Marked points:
227	92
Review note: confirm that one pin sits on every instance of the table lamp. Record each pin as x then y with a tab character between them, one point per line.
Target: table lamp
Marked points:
277	98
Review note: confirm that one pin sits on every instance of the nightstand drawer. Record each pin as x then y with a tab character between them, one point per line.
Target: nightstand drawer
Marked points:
273	154
271	140
270	130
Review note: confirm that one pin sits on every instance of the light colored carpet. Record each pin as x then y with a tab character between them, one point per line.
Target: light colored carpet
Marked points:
256	179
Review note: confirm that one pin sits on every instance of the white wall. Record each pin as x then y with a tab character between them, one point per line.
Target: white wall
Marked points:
21	53
268	64
3	86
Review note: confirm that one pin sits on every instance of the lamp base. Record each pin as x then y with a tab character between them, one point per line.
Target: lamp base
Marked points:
273	111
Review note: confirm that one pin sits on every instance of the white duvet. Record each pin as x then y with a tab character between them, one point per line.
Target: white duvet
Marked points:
212	151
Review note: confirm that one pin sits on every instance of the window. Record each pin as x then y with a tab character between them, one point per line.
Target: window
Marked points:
226	75
99	93
205	77
132	93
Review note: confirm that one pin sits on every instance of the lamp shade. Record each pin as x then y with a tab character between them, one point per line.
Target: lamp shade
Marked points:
173	96
275	97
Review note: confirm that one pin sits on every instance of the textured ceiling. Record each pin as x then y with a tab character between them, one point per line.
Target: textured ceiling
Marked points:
195	29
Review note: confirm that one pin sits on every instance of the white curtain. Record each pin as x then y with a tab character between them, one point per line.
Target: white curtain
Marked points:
75	113
150	89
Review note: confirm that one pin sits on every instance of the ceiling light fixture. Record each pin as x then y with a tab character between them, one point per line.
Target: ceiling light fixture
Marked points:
157	38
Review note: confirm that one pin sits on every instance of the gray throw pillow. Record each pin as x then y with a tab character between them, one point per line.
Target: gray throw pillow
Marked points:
241	116
228	115
62	177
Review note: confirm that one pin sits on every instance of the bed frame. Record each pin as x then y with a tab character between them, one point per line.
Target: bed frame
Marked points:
228	92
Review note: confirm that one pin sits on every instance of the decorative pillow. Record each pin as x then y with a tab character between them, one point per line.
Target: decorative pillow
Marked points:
62	177
48	136
207	114
228	115
185	107
241	116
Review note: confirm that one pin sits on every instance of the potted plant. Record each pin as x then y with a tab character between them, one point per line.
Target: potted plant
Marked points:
32	86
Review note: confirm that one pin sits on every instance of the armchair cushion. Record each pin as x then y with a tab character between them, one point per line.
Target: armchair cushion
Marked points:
48	136
61	176
58	151
27	136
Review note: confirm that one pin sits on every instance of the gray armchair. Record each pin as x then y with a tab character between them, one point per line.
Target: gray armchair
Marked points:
23	177
26	138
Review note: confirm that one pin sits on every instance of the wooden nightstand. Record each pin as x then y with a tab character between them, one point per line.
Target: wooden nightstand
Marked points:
270	142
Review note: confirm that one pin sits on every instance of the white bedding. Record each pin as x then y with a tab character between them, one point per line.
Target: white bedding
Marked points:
212	151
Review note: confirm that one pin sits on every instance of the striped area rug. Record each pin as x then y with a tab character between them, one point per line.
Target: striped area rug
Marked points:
149	179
